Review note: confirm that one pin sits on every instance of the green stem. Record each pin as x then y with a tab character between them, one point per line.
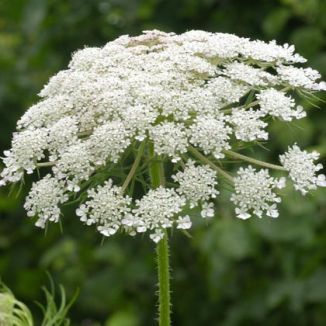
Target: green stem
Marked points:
248	105
46	164
205	160
162	250
134	167
254	161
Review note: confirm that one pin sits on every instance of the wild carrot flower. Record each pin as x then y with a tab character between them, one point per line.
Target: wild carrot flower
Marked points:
192	98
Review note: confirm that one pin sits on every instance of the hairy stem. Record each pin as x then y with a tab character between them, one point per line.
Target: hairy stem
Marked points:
162	250
254	161
205	160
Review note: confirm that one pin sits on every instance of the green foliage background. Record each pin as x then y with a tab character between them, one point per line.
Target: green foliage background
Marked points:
258	272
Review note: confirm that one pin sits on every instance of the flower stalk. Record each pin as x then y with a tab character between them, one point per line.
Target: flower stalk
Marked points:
205	160
46	164
162	250
254	161
134	167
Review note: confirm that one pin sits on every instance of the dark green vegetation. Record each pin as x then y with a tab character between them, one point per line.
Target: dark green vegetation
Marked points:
232	272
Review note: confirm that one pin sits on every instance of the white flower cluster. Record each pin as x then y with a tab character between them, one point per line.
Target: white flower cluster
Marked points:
170	139
248	125
210	134
44	199
74	166
110	210
196	183
249	75
277	104
27	148
301	77
198	90
61	135
253	193
107	208
108	141
155	211
302	169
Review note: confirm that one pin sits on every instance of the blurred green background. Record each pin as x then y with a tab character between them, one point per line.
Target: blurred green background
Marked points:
258	272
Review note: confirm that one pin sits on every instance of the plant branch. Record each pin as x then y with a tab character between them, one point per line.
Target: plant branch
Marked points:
134	167
253	161
205	160
46	164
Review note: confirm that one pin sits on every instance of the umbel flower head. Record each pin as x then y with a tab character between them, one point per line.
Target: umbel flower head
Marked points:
188	101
